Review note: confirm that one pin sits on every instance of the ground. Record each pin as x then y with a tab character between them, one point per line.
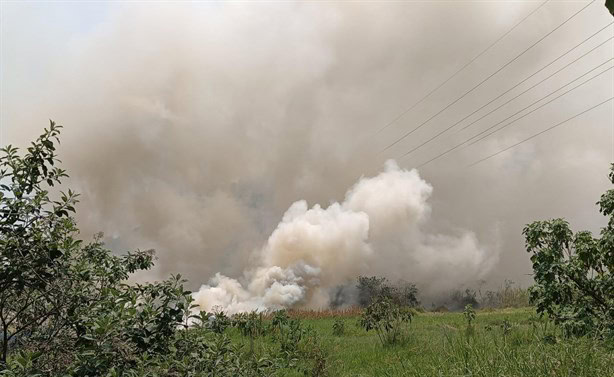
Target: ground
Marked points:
510	342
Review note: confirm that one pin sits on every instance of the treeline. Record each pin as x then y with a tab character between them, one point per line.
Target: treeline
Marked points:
405	293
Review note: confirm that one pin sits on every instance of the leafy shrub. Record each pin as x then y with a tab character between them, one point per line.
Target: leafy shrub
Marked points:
508	296
389	320
460	299
66	309
217	321
64	299
371	288
338	327
250	325
469	314
506	326
289	336
573	273
280	318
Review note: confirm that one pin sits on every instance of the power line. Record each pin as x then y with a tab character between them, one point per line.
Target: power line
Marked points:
487	78
559	70
512	99
480	133
544	104
515	86
539	133
461	69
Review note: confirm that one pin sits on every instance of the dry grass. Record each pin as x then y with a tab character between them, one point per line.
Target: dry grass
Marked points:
324	313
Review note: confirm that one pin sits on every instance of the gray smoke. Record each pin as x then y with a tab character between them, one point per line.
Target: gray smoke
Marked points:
377	229
193	128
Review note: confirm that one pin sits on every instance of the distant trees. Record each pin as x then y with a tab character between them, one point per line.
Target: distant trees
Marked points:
573	273
371	287
460	299
508	296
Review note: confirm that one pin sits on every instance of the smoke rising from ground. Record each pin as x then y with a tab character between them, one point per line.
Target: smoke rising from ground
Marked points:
377	229
192	128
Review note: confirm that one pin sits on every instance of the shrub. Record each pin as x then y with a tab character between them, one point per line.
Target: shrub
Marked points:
460	299
573	273
338	327
65	306
469	314
250	325
389	320
372	288
508	296
218	321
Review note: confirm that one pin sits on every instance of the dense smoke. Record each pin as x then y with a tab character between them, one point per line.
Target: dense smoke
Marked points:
378	228
192	129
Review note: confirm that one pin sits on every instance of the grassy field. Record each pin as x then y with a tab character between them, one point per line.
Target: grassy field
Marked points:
511	342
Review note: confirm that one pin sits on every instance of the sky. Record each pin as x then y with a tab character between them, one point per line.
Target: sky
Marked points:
194	127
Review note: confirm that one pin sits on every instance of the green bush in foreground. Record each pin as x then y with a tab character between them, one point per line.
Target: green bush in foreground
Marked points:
65	306
389	320
339	327
574	273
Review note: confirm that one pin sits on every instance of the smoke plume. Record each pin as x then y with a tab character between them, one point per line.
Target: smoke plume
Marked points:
377	229
192	128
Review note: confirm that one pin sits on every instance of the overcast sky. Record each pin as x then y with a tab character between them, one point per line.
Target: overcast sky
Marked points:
192	127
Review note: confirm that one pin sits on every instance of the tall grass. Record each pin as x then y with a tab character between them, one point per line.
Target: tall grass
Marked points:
509	295
509	342
520	352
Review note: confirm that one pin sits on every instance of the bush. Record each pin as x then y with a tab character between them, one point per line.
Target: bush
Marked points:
66	309
573	273
389	320
460	299
469	315
338	327
509	296
372	288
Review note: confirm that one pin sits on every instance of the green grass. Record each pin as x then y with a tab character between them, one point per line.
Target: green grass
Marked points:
438	344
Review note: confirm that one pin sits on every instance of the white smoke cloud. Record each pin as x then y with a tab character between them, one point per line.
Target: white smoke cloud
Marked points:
192	127
377	229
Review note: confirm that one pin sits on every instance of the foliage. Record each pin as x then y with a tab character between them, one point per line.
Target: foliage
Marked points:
289	336
250	325
371	288
506	326
388	319
217	321
508	296
460	299
67	309
280	318
438	347
339	327
573	273
55	292
469	314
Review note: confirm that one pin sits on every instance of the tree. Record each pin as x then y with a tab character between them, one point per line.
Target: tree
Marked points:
55	291
36	236
372	287
573	277
610	5
389	320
